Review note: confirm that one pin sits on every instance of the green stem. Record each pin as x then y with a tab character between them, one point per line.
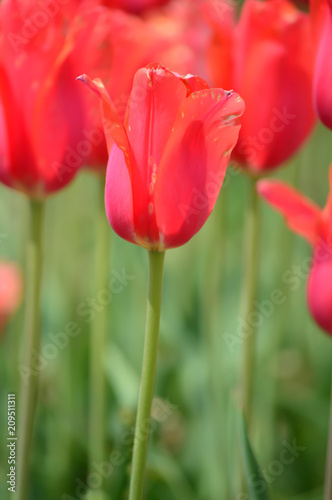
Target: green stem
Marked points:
328	472
249	294
31	347
97	444
156	265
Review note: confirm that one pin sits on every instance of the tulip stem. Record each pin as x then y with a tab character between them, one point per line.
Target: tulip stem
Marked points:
156	266
328	472
249	293
97	444
31	347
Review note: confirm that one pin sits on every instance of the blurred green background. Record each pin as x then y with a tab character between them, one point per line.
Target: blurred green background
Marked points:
194	443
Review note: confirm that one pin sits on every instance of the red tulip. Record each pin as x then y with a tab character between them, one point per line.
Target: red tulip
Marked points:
323	68
46	128
267	57
168	162
308	220
10	291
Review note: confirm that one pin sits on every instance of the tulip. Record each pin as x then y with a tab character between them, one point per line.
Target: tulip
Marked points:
168	35
323	70
267	54
314	224
165	170
44	141
10	291
169	159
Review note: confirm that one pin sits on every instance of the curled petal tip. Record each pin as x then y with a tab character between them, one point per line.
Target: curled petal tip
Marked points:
95	86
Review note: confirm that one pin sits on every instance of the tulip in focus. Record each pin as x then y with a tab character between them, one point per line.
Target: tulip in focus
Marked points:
170	155
323	68
10	291
314	224
268	58
166	166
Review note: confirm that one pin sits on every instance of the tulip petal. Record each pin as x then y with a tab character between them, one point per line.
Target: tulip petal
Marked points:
194	83
221	15
17	163
320	287
327	212
323	72
118	196
155	99
154	102
113	127
194	163
301	214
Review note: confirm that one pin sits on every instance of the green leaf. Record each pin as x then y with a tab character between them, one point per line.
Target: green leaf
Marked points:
256	483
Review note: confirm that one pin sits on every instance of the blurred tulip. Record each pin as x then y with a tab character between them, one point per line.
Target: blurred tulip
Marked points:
315	225
46	128
321	11
169	159
10	291
181	36
268	58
